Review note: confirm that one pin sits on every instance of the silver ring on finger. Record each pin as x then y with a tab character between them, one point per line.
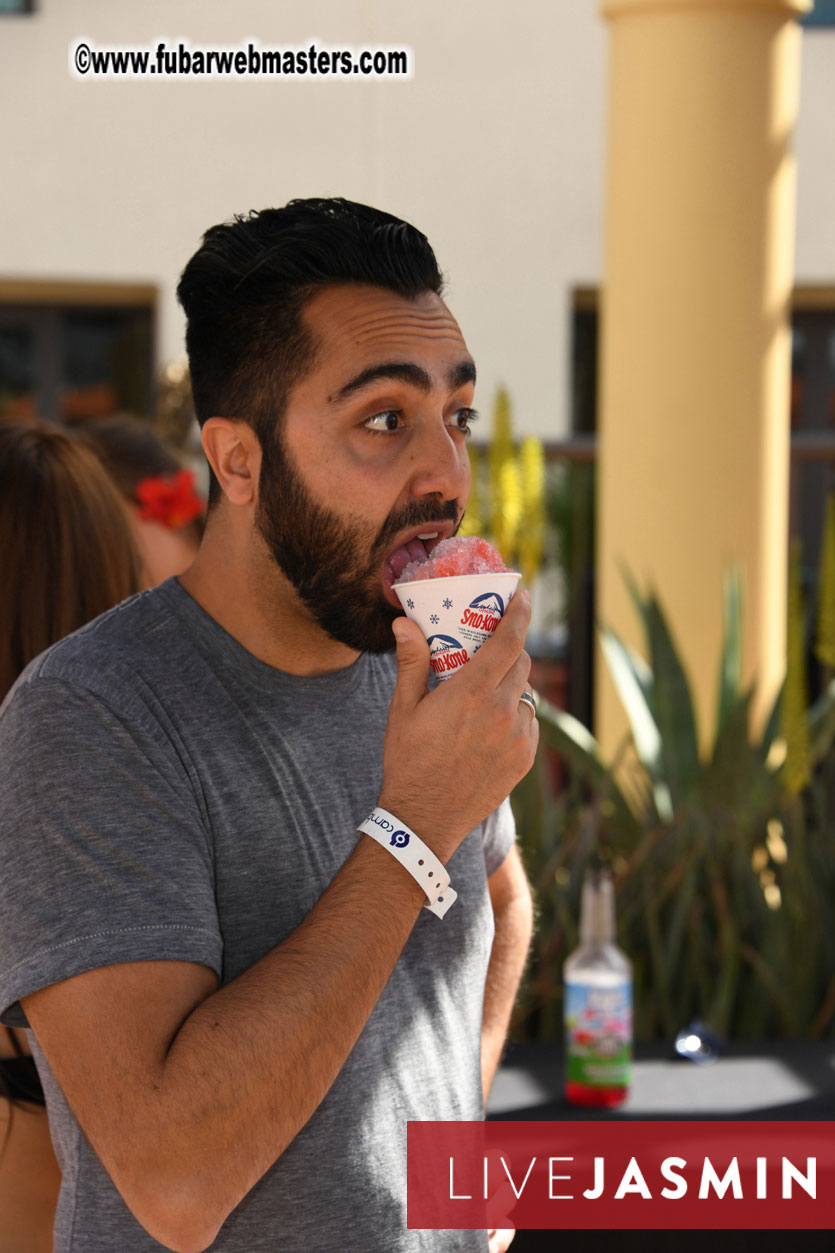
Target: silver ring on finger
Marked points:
528	699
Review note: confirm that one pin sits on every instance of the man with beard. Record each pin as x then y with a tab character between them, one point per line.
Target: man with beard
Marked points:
236	998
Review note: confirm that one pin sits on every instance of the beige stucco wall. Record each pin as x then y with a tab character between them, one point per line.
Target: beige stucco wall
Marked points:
815	232
494	148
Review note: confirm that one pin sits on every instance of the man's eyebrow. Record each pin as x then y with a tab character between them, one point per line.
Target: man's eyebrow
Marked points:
403	372
462	373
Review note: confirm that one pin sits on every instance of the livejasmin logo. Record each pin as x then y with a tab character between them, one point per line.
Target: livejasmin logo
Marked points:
632	1182
707	1174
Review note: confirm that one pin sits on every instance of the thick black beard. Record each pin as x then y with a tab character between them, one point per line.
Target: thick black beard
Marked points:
320	552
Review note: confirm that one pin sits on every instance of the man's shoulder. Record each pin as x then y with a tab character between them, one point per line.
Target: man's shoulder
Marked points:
140	637
158	653
118	685
141	626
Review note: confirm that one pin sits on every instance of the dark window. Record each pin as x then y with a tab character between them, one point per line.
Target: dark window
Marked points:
584	371
75	360
812	412
823	14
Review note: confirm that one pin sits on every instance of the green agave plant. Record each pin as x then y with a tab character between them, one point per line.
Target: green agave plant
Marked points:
725	880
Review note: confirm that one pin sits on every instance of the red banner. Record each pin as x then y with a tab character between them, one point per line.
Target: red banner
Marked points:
621	1174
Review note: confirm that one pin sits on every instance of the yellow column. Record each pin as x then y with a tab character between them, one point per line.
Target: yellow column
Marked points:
693	464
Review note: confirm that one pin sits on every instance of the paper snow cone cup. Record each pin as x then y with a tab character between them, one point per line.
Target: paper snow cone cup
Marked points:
457	613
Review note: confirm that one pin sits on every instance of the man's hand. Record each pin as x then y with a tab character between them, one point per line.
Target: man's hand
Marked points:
499	1239
451	756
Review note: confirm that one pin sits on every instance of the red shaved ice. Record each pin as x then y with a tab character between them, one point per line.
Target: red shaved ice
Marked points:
453	557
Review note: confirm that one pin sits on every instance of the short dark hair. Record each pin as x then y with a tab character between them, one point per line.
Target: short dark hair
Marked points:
245	288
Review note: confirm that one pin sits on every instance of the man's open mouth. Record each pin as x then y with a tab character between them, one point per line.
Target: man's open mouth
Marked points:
415	549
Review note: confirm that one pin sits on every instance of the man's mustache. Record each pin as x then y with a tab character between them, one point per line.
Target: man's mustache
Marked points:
414	515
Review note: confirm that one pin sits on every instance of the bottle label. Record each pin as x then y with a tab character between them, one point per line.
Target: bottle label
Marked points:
598	1034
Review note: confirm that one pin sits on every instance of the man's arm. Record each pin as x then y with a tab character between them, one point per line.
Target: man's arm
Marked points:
513	912
188	1094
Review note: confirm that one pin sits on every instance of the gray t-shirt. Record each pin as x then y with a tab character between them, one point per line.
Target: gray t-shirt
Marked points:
166	795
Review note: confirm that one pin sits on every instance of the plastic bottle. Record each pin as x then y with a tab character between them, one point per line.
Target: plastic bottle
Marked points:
598	1003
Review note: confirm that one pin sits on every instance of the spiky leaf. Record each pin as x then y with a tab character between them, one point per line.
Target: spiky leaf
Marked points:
581	753
735	779
821	724
672	705
730	668
796	772
825	637
645	730
772	725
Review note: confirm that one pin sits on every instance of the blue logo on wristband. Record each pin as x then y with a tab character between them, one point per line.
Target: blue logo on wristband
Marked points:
400	839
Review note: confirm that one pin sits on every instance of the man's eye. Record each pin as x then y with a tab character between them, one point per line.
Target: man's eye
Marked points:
388	420
464	419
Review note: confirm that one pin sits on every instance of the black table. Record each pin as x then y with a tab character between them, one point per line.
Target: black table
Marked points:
788	1079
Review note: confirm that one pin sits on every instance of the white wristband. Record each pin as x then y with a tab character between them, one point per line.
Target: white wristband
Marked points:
412	853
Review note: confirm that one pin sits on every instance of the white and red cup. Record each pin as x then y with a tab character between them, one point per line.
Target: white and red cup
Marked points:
457	613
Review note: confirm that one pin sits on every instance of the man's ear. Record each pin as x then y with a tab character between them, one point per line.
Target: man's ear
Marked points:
234	453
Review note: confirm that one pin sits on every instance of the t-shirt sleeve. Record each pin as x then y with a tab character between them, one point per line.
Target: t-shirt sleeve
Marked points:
499	836
105	851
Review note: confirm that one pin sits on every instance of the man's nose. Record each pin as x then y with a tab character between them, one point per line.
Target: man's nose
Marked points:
442	466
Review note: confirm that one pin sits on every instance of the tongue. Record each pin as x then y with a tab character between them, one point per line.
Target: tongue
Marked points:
415	550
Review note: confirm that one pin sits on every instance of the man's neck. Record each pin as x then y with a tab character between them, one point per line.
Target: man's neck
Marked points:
255	603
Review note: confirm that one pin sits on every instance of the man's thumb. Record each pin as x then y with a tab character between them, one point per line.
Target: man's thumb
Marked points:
412	661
